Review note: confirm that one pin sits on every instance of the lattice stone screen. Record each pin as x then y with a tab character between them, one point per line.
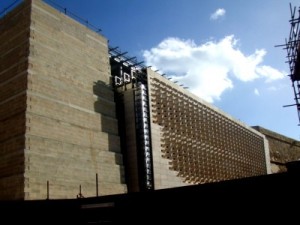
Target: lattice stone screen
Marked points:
201	143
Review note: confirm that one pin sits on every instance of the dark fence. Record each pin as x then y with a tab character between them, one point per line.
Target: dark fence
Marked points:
272	198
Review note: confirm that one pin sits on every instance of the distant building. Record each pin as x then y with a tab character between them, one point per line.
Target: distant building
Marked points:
83	117
282	149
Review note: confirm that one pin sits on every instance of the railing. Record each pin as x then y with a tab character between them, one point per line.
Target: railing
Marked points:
73	15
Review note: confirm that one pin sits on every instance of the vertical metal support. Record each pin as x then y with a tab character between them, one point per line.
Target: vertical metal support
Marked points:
80	194
97	185
292	47
144	138
47	190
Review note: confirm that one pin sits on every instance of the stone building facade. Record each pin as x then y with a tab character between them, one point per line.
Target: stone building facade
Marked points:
57	111
197	142
77	117
173	138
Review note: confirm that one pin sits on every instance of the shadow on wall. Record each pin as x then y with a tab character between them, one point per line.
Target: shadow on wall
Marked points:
104	93
106	106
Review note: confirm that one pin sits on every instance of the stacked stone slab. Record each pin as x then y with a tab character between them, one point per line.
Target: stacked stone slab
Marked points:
57	112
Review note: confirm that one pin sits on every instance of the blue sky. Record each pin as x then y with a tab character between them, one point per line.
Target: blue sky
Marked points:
223	50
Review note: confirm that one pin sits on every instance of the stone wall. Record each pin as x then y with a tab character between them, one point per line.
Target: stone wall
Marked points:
194	142
57	117
14	50
71	126
282	149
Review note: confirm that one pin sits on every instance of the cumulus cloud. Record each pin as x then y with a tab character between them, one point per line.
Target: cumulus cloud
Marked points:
256	92
208	69
218	14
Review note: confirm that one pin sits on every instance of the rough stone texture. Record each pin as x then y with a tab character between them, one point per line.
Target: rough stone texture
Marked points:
71	130
282	149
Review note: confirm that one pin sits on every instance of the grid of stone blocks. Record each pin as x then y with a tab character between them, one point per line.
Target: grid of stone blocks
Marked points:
202	144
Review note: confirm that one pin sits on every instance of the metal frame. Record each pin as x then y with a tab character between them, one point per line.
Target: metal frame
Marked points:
292	46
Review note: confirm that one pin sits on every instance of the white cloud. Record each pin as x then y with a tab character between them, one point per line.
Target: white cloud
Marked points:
218	14
207	69
270	73
256	92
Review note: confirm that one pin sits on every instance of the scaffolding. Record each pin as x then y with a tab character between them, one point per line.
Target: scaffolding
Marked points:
292	46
